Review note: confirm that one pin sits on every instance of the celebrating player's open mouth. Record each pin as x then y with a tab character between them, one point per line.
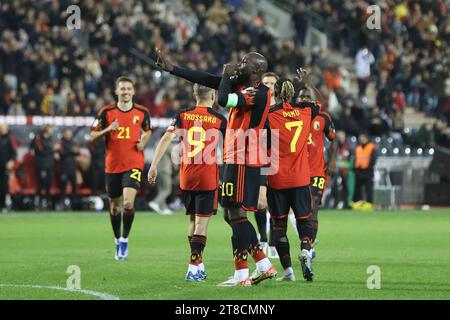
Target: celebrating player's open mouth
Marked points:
126	97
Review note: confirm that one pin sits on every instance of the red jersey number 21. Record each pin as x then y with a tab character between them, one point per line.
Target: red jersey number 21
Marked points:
124	133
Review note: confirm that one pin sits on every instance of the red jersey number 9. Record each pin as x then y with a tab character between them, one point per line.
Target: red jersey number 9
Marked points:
198	144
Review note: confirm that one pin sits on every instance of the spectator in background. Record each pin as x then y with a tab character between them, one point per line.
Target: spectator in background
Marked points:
417	88
32	109
348	123
340	187
218	13
397	122
398	99
8	154
44	149
441	134
164	185
384	93
363	60
300	21
68	167
97	167
425	136
332	78
365	159
3	92
378	126
360	116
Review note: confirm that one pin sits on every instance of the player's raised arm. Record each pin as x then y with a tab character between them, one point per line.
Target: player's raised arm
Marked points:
305	79
159	152
227	99
204	78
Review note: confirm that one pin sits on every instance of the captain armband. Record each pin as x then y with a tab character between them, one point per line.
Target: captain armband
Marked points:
232	100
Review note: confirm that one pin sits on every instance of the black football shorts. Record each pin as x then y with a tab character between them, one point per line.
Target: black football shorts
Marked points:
115	182
200	203
240	187
281	200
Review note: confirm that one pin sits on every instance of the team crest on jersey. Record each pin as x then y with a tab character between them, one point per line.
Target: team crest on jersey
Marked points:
135	119
316	125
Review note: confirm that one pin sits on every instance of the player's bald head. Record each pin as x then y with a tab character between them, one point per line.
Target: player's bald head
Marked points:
258	60
253	64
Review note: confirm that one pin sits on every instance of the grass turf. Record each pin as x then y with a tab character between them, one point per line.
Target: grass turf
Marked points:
412	248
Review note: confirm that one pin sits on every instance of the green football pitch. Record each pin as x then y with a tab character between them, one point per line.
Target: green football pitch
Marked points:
411	248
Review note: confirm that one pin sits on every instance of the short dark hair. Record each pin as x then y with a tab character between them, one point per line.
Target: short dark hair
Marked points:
124	79
202	92
270	74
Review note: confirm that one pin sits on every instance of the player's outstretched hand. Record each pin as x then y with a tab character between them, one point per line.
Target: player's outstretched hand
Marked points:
151	176
229	69
114	125
303	75
162	62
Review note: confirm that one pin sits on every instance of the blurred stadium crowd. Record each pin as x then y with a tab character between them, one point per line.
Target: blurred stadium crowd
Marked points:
50	70
47	69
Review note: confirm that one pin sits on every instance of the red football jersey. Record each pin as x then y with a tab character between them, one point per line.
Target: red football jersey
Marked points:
121	145
200	130
291	126
244	129
322	125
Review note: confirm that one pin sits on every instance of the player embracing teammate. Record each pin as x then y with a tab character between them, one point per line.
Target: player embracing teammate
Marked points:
248	101
289	187
241	177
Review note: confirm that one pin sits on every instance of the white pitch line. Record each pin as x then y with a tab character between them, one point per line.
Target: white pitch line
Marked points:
101	295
